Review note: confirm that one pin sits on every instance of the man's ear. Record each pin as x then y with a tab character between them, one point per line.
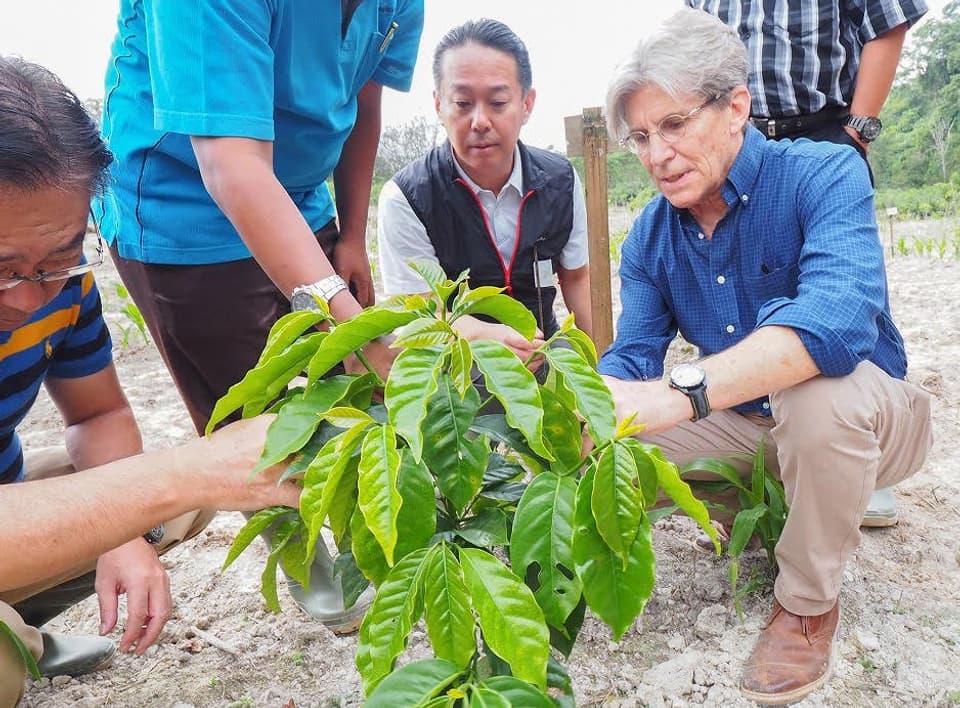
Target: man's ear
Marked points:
528	100
436	101
739	108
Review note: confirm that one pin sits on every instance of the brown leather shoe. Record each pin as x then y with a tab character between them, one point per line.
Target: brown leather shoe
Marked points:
793	656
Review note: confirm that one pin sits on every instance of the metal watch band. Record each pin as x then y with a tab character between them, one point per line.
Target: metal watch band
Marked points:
330	286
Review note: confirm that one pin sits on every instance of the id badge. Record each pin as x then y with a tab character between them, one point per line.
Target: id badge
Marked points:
543	274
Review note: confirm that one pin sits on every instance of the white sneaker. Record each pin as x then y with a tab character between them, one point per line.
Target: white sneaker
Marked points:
882	509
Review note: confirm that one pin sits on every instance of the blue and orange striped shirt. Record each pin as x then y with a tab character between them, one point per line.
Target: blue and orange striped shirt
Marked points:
67	338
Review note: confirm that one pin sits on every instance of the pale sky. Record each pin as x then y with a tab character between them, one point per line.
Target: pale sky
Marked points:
573	47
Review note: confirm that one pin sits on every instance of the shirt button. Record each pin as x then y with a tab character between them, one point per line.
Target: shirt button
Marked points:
721	279
700	236
745	198
731	329
766	406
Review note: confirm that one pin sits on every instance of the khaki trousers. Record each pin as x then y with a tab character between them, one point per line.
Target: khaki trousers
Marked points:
34	604
832	441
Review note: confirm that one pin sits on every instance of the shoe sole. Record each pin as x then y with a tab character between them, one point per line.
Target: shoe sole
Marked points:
788	697
879	522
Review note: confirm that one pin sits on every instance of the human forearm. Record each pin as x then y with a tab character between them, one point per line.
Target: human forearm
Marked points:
878	67
65	521
238	174
104	438
575	287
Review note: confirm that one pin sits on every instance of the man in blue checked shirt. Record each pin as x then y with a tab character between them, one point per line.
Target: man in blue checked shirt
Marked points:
765	255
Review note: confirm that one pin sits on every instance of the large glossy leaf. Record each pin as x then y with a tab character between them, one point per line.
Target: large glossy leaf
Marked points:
500	470
594	401
297	421
720	468
496	427
461	365
412	381
25	656
502	308
486	697
256	524
561	430
268	583
457	460
347	337
447	610
669	479
583	345
387	624
519	693
352	581
615	593
436	278
511	621
366	550
414	685
541	544
344	501
286	330
294	554
487	529
617	500
379	498
646	471
743	525
263	382
423	332
515	387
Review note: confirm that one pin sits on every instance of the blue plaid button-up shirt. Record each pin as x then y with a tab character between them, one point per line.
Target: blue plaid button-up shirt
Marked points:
804	54
798	248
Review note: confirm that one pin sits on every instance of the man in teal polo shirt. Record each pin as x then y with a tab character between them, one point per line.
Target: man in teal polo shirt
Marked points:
226	118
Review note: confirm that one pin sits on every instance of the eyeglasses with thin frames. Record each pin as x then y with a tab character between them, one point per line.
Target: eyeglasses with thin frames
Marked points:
43	276
671	129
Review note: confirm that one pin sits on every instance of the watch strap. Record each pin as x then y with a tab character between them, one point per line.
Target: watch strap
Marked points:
325	288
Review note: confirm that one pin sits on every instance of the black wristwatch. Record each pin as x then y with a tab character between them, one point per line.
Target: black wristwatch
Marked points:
691	380
154	535
867	127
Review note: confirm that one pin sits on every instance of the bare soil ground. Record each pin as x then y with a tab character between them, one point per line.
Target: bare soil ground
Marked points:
900	634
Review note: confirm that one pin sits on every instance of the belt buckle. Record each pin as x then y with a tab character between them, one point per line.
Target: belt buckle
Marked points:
771	128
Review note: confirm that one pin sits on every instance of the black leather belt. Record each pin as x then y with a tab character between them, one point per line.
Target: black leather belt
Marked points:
787	126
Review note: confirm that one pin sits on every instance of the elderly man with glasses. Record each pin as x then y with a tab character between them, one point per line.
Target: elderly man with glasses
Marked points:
765	255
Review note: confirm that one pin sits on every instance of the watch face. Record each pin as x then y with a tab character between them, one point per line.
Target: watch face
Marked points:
687	376
871	129
302	299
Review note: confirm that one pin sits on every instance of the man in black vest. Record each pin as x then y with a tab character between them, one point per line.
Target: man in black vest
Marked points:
514	215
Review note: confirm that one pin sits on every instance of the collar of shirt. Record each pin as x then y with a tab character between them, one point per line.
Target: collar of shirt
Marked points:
515	180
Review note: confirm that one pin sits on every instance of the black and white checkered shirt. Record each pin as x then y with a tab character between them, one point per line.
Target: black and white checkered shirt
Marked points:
804	54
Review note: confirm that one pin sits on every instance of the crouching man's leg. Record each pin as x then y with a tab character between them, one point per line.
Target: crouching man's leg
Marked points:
837	440
13	671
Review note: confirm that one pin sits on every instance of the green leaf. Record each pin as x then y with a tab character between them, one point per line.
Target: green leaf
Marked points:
743	526
414	685
495	427
423	332
583	345
447	610
594	400
22	650
434	276
268	583
485	697
352	580
511	621
720	468
541	545
418	512
519	693
757	473
500	470
412	381
347	337
487	529
347	417
516	388
344	501
378	498
294	554
646	471
502	308
670	481
256	524
457	460
387	624
561	430
366	550
461	365
263	382
298	420
617	501
558	678
615	593
563	638
286	330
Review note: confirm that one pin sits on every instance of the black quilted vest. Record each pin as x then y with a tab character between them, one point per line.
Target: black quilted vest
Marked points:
457	225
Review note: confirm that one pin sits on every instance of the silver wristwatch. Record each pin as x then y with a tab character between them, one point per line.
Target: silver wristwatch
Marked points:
304	297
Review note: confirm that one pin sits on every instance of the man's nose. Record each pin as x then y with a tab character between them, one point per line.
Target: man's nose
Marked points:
658	149
481	121
27	297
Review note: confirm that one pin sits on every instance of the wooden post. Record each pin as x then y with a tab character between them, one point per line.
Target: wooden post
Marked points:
587	136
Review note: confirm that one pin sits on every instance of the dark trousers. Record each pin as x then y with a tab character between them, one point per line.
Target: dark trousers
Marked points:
209	322
832	132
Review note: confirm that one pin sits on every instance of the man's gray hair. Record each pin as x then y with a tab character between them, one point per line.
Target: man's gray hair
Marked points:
692	53
47	138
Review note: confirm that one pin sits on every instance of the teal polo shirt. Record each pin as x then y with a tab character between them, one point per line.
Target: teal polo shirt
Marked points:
277	70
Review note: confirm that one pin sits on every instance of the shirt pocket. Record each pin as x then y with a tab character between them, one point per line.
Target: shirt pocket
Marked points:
779	283
369	55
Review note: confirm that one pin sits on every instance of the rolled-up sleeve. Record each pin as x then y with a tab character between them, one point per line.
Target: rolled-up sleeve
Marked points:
646	325
879	17
842	283
395	70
